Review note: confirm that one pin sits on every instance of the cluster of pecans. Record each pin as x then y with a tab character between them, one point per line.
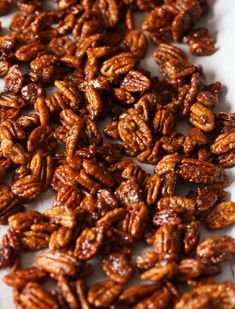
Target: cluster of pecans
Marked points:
106	203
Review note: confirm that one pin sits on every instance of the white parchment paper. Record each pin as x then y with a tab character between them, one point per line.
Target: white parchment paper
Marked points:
220	66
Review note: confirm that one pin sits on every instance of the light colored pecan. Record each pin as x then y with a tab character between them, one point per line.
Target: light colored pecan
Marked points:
129	192
9	129
119	64
42	140
69	91
27	188
61	215
23	221
167	242
103	293
221	215
34	296
117	267
67	292
61	238
135	81
216	249
34	241
197	171
89	242
136	42
135	132
220	295
59	263
224	143
20	277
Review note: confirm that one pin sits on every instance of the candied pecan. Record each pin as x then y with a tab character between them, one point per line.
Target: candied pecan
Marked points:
136	292
61	238
61	215
11	100
197	171
224	143
22	221
27	188
160	272
179	205
109	11
135	81
136	219
98	172
167	242
20	277
202	117
180	25
216	249
147	260
94	102
191	236
89	242
103	293
195	138
152	188
43	168
29	7
9	203
33	295
191	268
167	164
158	24
221	215
206	199
14	152
117	267
209	296
70	91
168	184
119	64
135	132
59	263
159	299
68	196
28	121
111	217
14	79
201	43
164	121
34	241
129	192
11	130
136	42
67	292
42	140
7	257
29	51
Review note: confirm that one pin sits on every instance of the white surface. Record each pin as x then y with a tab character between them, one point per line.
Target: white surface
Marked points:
221	67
